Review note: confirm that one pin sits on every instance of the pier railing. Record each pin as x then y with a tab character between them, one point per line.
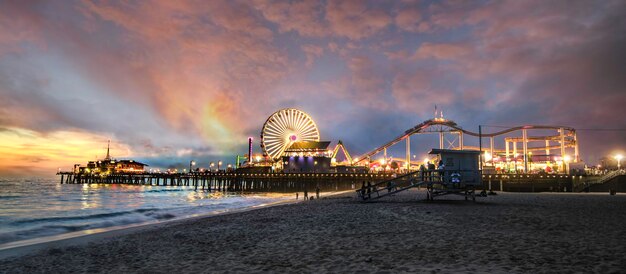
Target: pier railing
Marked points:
293	182
581	185
253	182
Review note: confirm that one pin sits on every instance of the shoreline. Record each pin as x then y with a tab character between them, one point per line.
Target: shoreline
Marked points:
24	247
506	233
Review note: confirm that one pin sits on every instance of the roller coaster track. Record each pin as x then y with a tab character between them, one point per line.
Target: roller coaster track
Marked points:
422	127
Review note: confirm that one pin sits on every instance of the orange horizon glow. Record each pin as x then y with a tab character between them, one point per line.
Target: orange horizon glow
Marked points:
25	151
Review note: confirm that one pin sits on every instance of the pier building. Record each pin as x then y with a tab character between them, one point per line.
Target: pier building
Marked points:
109	165
307	156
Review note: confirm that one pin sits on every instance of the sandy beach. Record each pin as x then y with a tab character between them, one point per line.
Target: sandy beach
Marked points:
510	232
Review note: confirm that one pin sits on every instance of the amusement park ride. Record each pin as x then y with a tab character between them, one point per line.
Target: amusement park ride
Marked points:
290	141
291	133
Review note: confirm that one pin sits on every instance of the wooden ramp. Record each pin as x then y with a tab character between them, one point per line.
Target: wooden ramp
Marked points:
437	183
391	186
460	175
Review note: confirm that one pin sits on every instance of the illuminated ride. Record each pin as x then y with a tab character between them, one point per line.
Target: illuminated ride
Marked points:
285	127
564	138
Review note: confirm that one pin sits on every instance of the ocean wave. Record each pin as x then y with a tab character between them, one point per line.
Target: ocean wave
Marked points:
164	190
42	231
52	208
86	217
60	228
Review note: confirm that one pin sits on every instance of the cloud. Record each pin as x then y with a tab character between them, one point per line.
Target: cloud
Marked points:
408	19
400	55
184	152
16	31
441	51
304	17
172	76
367	82
546	53
417	92
356	19
312	52
230	69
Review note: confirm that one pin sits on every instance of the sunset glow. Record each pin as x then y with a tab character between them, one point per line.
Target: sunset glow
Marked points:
171	81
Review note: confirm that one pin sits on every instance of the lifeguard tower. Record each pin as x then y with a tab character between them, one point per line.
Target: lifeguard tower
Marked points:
457	173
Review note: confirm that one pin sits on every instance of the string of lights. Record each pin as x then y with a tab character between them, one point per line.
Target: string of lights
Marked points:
590	129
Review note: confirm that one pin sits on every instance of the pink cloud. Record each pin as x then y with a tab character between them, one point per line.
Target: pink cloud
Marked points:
333	47
446	15
539	53
312	52
303	17
368	84
18	26
352	19
355	20
415	91
219	49
441	51
212	71
409	19
400	55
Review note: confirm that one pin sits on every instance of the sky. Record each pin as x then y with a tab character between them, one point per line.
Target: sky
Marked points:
171	81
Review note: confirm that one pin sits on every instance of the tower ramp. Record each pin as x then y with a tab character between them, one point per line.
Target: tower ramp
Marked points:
390	187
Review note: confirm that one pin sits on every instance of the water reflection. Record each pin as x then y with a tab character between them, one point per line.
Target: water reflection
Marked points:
38	208
90	197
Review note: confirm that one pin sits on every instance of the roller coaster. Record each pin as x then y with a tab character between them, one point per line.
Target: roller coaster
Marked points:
565	138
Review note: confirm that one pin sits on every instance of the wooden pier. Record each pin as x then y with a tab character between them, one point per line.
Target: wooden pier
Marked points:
529	182
261	182
298	182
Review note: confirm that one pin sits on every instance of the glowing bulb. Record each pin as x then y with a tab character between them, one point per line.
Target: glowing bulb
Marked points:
487	156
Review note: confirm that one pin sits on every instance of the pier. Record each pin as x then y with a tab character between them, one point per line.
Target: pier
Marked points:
294	159
259	182
295	182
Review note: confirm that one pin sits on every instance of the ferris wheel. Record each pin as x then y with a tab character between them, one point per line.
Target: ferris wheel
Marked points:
285	127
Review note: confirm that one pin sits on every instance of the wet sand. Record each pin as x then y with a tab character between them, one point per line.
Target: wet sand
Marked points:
510	232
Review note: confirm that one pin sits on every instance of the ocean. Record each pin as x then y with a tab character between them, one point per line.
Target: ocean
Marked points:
34	208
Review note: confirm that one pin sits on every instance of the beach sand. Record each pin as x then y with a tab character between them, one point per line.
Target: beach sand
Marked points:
509	232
